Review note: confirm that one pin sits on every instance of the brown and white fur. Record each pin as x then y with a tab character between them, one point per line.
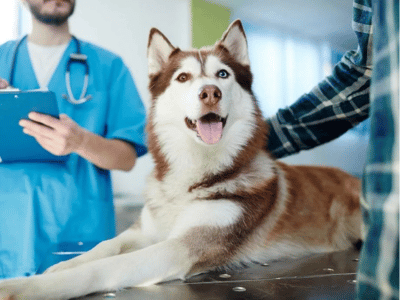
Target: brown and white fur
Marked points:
215	198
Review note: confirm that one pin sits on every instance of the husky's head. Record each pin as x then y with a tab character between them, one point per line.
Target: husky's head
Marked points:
202	97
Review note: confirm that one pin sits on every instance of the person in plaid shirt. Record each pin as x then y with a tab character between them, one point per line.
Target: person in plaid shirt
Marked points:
341	101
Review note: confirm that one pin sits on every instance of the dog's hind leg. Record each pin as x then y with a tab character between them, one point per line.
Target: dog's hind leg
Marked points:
130	240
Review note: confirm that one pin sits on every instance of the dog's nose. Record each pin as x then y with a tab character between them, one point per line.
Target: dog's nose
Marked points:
210	95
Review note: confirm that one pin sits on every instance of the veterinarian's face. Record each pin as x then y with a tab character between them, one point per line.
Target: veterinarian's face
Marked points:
51	12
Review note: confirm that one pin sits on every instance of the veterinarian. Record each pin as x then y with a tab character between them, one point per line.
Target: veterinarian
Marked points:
347	97
45	204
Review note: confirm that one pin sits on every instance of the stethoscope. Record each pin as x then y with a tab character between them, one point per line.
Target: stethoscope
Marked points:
77	57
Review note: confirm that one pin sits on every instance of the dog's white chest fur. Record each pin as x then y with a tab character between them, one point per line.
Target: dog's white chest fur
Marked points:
172	207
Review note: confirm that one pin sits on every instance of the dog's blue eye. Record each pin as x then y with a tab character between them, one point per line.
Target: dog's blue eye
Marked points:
222	74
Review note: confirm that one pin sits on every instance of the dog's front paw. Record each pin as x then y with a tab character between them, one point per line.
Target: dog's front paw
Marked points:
58	267
64	265
5	296
12	289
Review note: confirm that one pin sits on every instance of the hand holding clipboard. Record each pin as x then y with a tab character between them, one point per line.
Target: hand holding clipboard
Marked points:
15	145
59	136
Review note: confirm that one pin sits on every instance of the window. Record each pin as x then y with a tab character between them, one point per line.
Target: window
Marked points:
9	20
284	66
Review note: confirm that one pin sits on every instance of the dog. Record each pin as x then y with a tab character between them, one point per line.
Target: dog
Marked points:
216	198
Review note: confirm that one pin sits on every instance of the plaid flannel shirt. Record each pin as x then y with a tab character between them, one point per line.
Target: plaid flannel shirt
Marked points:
378	274
337	104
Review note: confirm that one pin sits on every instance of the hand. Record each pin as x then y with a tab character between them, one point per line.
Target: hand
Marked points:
3	83
58	136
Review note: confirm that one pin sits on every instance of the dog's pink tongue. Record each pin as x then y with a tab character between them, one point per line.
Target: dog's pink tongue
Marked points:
210	133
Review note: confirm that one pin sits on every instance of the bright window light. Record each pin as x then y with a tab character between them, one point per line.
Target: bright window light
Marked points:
8	20
284	66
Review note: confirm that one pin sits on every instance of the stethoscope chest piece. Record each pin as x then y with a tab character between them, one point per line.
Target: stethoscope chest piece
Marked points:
80	59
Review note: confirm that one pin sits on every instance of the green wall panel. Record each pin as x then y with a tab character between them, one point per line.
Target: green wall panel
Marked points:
209	21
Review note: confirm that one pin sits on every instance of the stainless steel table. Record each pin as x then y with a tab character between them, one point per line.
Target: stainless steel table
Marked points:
317	277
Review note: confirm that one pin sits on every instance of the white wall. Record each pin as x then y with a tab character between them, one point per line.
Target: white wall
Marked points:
8	20
123	26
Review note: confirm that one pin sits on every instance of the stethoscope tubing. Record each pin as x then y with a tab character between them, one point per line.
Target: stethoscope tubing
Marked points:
77	57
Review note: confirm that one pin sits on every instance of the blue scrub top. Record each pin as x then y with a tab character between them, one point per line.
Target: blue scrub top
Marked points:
45	204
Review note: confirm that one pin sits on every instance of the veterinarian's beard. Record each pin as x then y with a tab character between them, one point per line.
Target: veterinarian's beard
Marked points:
51	19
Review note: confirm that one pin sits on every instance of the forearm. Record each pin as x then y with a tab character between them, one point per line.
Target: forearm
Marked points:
109	154
337	104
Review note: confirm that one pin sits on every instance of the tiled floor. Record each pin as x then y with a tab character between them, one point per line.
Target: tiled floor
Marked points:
317	277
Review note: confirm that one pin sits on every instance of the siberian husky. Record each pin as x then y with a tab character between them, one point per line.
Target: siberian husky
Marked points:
215	198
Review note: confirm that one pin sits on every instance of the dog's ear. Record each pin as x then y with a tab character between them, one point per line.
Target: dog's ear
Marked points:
159	49
234	39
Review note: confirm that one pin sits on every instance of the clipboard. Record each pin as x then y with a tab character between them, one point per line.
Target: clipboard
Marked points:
15	145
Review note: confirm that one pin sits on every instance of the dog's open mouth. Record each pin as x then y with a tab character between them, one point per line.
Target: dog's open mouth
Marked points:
209	127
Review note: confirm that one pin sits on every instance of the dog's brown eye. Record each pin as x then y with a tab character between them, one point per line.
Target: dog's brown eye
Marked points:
183	77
